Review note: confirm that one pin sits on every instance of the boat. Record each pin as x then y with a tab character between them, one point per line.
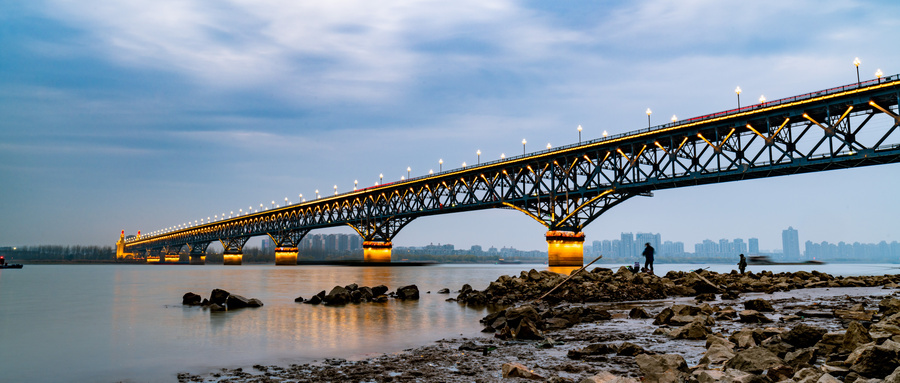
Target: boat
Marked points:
11	266
765	260
502	261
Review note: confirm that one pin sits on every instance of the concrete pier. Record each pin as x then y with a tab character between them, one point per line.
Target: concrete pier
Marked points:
198	259
233	258
565	248
286	256
377	251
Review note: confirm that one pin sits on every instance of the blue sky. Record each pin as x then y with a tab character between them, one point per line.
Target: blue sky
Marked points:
139	115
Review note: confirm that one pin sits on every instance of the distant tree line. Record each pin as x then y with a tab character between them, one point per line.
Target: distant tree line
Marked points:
59	253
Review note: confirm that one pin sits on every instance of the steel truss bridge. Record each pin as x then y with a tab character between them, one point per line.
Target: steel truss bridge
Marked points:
567	188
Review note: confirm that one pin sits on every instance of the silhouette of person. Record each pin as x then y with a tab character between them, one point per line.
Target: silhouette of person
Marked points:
648	254
742	264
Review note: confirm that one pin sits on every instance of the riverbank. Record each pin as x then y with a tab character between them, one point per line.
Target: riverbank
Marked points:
574	340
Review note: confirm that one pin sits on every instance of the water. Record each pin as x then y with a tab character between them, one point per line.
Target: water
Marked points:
125	322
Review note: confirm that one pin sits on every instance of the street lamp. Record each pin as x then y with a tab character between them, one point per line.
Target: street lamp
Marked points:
317	193
548	146
441	163
762	99
408	169
464	164
478	153
301	198
355	182
380	179
856	62
649	112
502	156
335	189
285	201
605	133
240	212
523	146
430	171
738	91
579	134
878	74
674	118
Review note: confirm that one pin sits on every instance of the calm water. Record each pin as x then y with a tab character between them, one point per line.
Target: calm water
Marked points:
109	322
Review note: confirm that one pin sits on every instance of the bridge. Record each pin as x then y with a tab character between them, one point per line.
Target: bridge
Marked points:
568	187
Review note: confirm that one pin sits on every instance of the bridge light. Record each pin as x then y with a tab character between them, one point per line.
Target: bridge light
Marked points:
738	91
649	112
762	99
441	163
523	146
355	182
335	189
878	74
548	146
579	134
674	118
430	172
380	180
408	169
478	153
856	63
502	156
464	165
317	193
605	134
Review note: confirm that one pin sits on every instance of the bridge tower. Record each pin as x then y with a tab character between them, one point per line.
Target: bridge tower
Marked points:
377	235
121	255
233	253
198	252
172	253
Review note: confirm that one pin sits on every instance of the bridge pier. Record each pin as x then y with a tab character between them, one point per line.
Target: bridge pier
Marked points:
198	259
377	251
565	248
233	259
286	256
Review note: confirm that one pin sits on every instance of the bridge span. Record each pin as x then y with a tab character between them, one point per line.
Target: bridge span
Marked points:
568	187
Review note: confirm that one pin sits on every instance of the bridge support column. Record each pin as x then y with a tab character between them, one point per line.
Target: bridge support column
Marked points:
377	251
234	259
286	256
198	252
198	259
565	248
154	255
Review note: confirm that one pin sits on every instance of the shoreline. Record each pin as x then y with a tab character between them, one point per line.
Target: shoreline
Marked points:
548	355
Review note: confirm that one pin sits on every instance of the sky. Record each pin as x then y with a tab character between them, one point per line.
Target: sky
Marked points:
140	115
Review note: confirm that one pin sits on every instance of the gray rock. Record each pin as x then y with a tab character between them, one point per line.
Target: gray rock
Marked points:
410	292
693	330
235	301
444	291
255	303
218	296
591	349
754	360
803	336
630	349
855	336
191	299
827	378
382	290
638	313
760	305
807	375
801	358
753	316
717	354
668	368
894	377
876	362
337	296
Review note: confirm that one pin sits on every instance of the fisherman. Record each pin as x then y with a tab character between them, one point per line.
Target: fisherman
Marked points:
742	264
648	254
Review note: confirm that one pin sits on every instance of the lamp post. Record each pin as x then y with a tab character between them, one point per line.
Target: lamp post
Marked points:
649	112
464	164
856	62
408	169
579	134
674	118
478	153
301	198
381	178
285	201
335	189
317	193
738	91
878	74
762	99
355	182
523	146
502	156
549	146
430	171
605	133
441	164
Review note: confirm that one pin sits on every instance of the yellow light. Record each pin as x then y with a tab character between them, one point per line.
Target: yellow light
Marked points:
737	90
649	111
605	134
856	62
878	73
502	156
674	118
579	128
548	146
524	142
762	99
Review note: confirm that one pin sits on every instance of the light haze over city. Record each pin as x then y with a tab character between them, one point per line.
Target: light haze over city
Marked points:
137	115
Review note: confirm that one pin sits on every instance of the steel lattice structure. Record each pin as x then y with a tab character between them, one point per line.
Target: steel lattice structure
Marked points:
566	188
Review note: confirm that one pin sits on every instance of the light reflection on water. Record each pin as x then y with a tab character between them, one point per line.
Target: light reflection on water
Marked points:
125	322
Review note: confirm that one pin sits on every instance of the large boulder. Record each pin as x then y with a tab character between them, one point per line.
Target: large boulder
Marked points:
382	290
516	314
717	354
754	360
760	305
693	330
889	306
218	296
337	296
410	292
855	336
877	361
668	368
753	316
191	299
235	301
803	336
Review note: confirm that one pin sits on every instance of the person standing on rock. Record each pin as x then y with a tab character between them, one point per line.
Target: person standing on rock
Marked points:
742	264
648	254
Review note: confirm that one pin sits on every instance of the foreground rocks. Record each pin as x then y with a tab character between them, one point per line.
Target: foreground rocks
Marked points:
806	340
353	293
220	300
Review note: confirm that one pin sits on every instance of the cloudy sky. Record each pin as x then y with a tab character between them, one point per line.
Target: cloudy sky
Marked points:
139	115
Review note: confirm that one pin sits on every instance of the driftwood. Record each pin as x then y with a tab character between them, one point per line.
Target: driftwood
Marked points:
570	277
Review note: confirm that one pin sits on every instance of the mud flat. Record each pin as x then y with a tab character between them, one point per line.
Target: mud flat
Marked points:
606	326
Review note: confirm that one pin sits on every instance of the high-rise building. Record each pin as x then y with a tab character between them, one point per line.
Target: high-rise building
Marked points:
643	238
754	245
790	243
626	245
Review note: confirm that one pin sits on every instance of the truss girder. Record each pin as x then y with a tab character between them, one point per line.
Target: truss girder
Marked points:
567	188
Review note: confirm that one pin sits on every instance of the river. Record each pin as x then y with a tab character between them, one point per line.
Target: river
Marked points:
104	323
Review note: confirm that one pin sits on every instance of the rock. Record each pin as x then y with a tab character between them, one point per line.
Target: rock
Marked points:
382	290
889	306
668	368
255	303
191	299
803	336
705	297
717	354
777	347
410	292
754	360
894	377
852	315
516	314
470	346
219	296
827	378
801	358
366	293
743	338
693	330
663	317
516	370
352	287
444	291
314	300
730	295
779	373
753	316
876	362
355	295
298	299
216	307
630	349
205	302
638	313
527	330
607	377
235	301
380	298
556	323
591	349
337	296
709	376
830	341
712	340
760	305
855	336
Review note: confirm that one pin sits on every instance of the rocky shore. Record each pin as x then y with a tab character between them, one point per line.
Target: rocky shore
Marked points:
605	326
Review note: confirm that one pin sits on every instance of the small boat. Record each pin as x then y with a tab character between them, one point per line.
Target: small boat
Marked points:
502	261
11	266
765	260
